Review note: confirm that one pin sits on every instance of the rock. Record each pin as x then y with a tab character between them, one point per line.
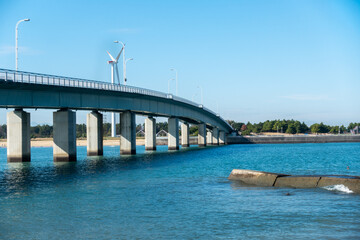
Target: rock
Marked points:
267	179
297	181
353	183
252	177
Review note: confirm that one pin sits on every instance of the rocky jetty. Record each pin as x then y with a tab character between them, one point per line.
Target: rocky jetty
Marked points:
267	179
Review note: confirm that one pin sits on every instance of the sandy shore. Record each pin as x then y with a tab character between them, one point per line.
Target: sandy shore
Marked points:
48	142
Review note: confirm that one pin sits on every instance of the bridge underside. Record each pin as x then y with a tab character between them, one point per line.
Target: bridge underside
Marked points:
23	95
66	99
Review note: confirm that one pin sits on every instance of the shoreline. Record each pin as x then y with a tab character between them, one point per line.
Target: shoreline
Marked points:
259	139
48	142
279	139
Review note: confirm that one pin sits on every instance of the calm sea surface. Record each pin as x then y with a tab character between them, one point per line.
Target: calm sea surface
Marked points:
182	195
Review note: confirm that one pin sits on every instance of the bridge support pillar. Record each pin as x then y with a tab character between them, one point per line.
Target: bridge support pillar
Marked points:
94	133
222	138
64	136
185	141
127	133
18	136
209	137
150	134
202	135
113	125
173	133
215	140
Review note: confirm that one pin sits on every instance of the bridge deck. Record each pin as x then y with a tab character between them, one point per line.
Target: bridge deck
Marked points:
33	90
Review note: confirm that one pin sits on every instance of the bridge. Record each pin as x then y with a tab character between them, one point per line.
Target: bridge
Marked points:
26	90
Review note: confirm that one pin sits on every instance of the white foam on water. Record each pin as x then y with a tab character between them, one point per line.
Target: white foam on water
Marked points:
339	188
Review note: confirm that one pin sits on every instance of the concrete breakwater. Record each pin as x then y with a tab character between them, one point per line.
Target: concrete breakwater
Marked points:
267	179
292	139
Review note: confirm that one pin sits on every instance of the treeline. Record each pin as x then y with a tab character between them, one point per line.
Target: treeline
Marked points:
279	126
288	126
46	131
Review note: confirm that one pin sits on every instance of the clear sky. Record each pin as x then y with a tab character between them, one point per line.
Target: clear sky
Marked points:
255	60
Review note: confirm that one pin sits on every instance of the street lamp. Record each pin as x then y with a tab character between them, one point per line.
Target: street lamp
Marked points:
129	59
16	41
171	79
201	92
124	76
176	73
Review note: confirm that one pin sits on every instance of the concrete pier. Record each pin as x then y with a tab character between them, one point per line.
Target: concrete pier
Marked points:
18	136
185	141
113	125
64	136
127	133
173	134
150	134
209	137
202	135
94	133
215	139
222	138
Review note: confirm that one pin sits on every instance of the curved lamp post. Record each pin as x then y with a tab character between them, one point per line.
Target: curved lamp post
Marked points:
129	59
16	41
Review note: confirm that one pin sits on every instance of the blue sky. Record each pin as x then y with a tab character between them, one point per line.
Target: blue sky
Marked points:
255	60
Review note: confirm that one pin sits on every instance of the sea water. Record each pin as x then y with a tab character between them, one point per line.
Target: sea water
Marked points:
178	194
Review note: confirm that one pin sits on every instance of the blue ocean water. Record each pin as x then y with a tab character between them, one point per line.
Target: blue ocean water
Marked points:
178	195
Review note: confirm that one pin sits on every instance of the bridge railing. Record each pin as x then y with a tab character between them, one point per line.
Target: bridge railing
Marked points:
46	79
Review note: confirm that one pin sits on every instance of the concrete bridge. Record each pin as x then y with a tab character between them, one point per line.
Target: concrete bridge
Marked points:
22	90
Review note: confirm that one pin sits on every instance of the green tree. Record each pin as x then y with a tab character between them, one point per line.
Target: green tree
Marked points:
277	126
323	128
304	128
257	127
268	126
246	132
235	125
194	130
249	126
107	129
80	130
352	126
3	131
291	128
334	130
315	128
161	126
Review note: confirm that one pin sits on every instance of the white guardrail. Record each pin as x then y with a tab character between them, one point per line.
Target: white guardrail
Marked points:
46	79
